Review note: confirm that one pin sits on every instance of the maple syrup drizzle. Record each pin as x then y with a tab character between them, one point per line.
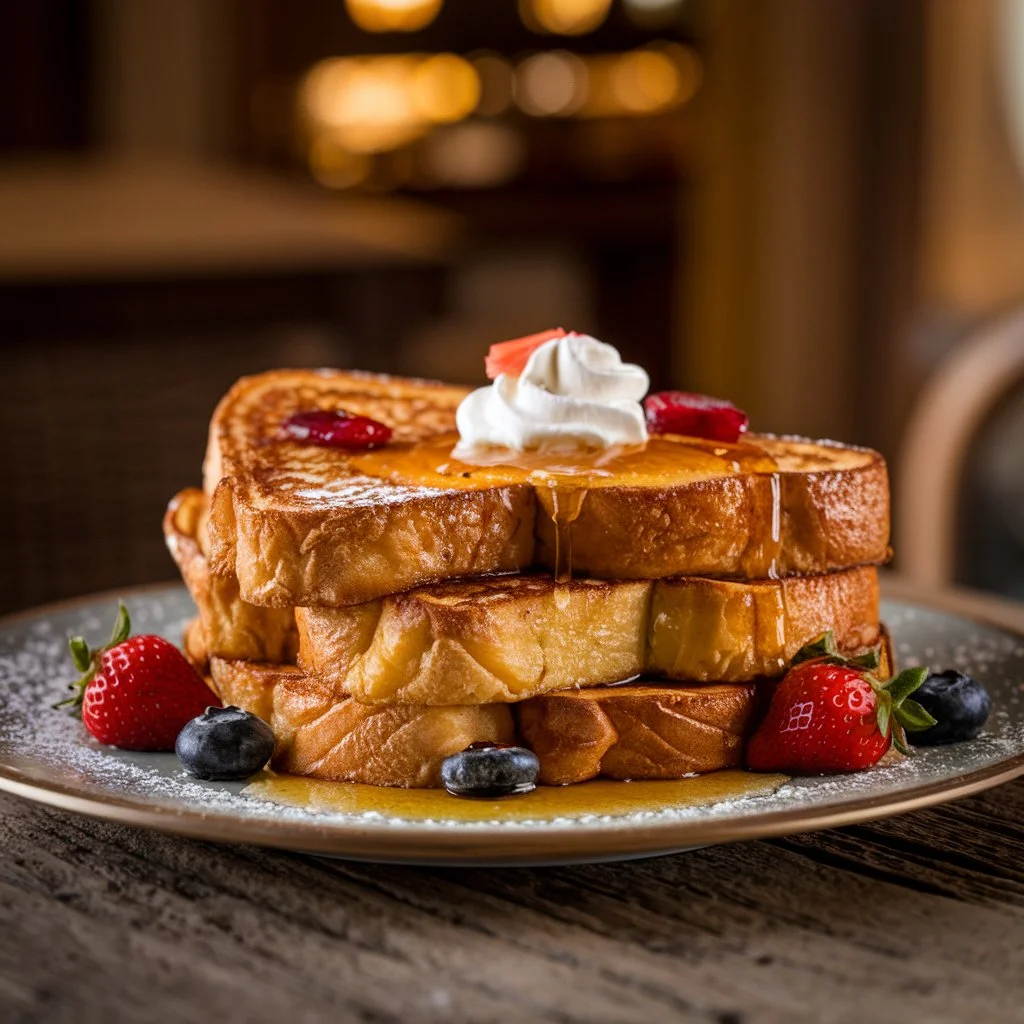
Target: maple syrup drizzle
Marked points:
563	479
779	589
770	615
599	797
775	548
563	503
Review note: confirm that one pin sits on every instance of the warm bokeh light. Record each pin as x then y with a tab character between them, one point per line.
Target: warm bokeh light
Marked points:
445	88
362	114
393	15
495	74
364	104
642	82
477	154
550	84
336	167
374	104
645	81
564	17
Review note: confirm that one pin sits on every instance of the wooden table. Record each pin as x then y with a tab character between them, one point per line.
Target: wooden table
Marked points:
910	919
918	918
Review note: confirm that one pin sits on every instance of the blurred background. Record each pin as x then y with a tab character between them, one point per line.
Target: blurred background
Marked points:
815	209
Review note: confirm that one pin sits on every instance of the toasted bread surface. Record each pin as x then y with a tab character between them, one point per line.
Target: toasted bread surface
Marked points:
825	507
315	527
232	628
301	524
637	732
478	642
621	732
705	630
322	735
193	645
511	638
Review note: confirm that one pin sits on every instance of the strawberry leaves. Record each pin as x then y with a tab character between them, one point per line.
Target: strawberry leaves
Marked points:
896	709
122	626
823	648
80	654
87	660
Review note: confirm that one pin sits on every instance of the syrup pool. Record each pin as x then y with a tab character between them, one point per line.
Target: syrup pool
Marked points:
600	798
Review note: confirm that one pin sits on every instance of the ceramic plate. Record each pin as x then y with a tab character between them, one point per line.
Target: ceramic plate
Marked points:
46	756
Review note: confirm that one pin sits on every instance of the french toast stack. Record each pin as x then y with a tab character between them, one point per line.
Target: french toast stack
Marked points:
621	615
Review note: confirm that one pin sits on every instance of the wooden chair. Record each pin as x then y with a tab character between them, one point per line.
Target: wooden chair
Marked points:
955	403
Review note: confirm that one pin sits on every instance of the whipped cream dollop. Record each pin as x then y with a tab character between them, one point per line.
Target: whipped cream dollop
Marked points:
574	392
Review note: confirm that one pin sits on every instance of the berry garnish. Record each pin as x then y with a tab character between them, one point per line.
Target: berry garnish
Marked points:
490	770
337	429
680	412
224	744
958	702
135	693
511	357
830	714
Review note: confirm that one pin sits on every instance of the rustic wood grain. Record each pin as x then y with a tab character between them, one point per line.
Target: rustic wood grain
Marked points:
917	918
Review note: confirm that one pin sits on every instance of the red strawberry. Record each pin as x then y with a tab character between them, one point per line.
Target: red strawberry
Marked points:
136	694
337	429
830	714
680	412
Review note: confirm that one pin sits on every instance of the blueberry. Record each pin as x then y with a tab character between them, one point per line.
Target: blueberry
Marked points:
959	704
224	743
490	770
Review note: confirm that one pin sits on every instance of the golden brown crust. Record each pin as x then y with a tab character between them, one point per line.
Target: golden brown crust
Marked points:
648	731
475	643
706	630
300	524
508	639
643	731
829	519
193	645
637	732
287	558
232	628
324	736
310	526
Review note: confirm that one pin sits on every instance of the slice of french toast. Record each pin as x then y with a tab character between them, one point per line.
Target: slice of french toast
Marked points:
309	526
510	638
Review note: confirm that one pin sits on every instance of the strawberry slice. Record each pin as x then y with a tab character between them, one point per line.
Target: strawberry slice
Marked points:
511	357
682	412
337	429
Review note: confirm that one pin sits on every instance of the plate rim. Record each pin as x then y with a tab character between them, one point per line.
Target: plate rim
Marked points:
410	842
